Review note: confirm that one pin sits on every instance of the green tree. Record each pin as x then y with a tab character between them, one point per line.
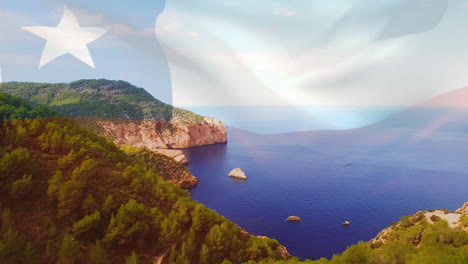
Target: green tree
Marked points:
205	256
97	254
69	252
15	162
357	254
109	206
132	259
131	223
169	231
7	220
22	187
89	205
11	247
69	197
88	223
54	185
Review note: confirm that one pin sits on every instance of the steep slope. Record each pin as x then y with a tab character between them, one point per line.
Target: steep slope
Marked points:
127	114
170	169
70	196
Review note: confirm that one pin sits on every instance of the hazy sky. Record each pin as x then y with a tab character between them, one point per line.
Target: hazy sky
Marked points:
302	52
252	52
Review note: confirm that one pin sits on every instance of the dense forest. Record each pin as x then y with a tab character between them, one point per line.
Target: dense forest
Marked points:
70	196
13	108
99	98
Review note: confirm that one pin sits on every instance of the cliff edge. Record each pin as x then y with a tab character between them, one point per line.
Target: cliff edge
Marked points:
156	135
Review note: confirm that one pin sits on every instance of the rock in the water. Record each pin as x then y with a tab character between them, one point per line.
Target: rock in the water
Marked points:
237	173
293	218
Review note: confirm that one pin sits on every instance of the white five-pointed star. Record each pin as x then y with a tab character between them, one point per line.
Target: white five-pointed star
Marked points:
67	38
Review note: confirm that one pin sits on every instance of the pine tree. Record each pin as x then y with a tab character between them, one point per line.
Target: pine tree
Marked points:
54	185
69	197
69	251
108	206
89	205
22	187
87	224
132	259
97	254
7	220
205	254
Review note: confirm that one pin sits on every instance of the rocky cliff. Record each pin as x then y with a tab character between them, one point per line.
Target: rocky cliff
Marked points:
156	135
166	167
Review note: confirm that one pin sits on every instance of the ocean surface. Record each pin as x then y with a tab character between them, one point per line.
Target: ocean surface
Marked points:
370	177
284	119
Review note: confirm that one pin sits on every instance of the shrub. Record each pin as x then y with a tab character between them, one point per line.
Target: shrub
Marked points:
435	218
464	220
406	221
447	211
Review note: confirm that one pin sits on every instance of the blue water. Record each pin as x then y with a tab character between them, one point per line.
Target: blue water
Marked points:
284	119
325	184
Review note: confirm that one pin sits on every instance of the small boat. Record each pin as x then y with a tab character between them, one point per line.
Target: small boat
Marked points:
345	223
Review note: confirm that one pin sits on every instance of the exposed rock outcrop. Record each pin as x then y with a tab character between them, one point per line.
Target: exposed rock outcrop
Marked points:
293	218
186	180
166	167
237	173
164	135
453	220
177	155
156	135
281	250
463	209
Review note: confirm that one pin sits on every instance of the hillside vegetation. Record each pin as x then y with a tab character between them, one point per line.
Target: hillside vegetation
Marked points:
99	98
13	108
70	196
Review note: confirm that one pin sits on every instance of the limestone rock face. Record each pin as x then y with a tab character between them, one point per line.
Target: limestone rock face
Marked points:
293	218
186	181
157	134
237	173
177	155
463	209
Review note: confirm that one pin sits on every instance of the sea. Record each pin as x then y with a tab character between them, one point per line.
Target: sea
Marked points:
368	176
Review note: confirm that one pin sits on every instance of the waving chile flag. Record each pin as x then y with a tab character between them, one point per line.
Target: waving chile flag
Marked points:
334	64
